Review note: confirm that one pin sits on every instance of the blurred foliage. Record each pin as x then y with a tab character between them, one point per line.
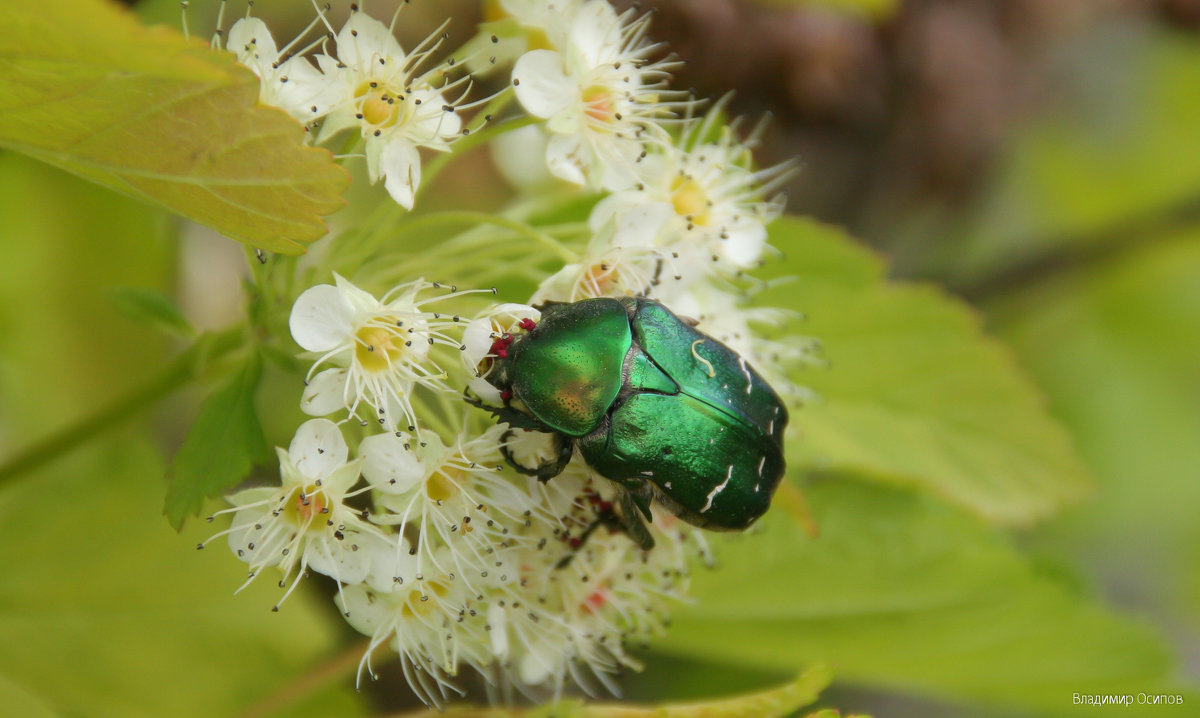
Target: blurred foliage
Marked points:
1117	346
915	394
926	438
146	113
106	610
772	703
899	591
1112	161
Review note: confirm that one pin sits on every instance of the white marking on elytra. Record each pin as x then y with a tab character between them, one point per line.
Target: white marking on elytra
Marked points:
707	364
667	486
742	366
771	427
761	460
718	489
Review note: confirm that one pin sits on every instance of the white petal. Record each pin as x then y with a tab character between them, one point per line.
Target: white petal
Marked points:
487	393
558	286
511	153
361	300
477	338
251	41
498	620
255	539
540	662
432	123
389	466
363	40
339	559
744	244
325	393
640	225
543	87
611	206
595	35
390	560
337	482
305	89
568	158
322	318
367	612
400	164
318	448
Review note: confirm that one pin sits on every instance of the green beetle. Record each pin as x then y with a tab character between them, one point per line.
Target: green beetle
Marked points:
651	403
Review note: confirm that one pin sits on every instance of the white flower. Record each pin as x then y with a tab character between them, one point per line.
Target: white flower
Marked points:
487	336
598	93
380	349
394	105
719	205
432	625
304	523
452	497
292	85
625	258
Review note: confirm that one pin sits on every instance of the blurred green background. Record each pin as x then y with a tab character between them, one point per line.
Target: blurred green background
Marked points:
1039	160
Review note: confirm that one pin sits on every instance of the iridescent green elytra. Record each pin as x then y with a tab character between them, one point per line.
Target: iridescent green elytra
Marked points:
652	404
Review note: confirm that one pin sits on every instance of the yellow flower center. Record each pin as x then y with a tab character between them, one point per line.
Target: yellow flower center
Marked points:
307	505
377	346
600	103
444	484
379	106
689	200
421	600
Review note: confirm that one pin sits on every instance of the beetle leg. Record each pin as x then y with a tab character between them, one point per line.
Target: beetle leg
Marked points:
628	520
632	507
508	415
608	518
546	470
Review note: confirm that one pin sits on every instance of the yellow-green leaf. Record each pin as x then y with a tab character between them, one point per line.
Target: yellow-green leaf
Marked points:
85	87
224	443
771	703
902	593
915	394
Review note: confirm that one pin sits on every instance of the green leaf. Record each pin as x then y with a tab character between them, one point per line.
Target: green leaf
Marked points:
771	703
151	307
224	443
1116	345
902	593
915	393
107	612
168	121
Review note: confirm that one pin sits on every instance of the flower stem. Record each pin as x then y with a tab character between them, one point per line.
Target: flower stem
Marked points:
180	371
469	217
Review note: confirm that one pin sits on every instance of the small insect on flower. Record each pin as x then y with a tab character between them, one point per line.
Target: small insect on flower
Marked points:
659	408
303	523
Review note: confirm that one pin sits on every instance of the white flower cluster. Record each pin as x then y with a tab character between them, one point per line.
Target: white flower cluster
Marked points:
440	550
397	101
